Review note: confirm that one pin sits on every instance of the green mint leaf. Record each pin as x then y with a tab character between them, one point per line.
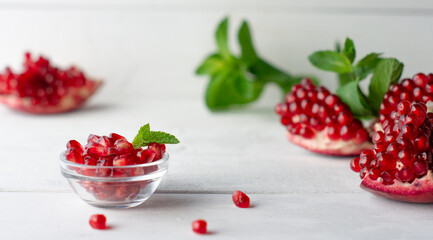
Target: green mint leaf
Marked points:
338	46
349	50
145	137
211	65
142	136
222	38
355	99
162	138
331	61
387	72
366	65
247	49
230	88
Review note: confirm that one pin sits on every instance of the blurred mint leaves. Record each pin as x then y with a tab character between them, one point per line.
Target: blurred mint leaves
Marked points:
239	80
386	71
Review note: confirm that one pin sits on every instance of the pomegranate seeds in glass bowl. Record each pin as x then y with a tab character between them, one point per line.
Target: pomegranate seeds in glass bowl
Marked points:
42	88
111	172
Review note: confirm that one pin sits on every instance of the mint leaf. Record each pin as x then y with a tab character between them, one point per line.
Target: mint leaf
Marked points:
387	72
145	137
349	50
222	39
248	53
331	61
366	65
211	65
355	99
162	138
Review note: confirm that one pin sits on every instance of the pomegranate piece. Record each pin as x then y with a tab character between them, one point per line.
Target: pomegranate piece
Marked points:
98	221
319	121
241	199
199	226
44	89
75	144
145	156
123	146
74	155
399	167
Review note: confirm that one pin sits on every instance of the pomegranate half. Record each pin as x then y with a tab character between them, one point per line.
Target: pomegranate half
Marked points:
44	89
399	167
319	121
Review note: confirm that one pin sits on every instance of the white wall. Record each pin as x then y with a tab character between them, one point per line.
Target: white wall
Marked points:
153	47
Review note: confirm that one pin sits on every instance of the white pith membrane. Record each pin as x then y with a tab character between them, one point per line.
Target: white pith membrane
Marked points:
322	144
419	191
74	98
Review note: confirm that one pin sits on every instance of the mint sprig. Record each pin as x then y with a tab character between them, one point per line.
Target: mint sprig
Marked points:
239	80
145	137
386	71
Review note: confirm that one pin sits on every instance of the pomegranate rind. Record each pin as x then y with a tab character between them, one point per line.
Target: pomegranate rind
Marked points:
74	99
323	145
419	191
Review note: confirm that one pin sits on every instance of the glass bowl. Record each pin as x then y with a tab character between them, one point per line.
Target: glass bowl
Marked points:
114	187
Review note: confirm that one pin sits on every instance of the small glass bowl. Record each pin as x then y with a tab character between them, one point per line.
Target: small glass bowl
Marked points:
114	187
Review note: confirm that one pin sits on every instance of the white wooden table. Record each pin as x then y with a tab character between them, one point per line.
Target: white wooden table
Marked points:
146	52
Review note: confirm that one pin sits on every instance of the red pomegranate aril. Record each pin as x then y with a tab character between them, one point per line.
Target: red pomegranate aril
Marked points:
387	179
74	155
361	136
354	164
98	221
404	107
93	138
307	132
145	156
199	226
333	132
422	143
240	199
405	175
378	137
406	157
114	137
386	162
374	173
363	172
123	160
123	146
75	144
104	172
95	149
281	109
420	168
345	133
344	117
159	150
393	149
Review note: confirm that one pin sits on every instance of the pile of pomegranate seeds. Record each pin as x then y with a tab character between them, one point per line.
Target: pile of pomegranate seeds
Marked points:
402	150
419	88
240	199
113	150
97	221
199	226
312	113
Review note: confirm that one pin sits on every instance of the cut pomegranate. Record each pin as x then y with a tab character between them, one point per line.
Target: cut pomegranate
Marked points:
319	121
400	165
97	221
241	199
199	226
44	89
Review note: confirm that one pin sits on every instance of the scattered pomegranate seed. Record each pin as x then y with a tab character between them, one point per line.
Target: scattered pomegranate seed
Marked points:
199	226
241	199
97	221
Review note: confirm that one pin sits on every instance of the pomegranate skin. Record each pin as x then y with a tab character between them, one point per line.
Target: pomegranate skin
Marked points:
419	191
74	99
327	147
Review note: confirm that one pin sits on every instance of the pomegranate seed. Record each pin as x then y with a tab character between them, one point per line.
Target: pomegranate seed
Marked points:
420	168
354	165
159	150
374	173
104	172
95	149
93	138
404	107
333	132
422	143
281	109
241	199
98	221
199	226
406	156
123	160
387	178
378	137
345	133
114	137
145	156
74	155
420	79
75	144
123	146
386	162
361	136
405	175
363	172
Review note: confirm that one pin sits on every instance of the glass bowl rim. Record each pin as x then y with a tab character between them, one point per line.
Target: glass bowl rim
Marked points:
63	160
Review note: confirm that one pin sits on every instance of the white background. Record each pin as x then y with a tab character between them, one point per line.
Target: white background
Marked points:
146	52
